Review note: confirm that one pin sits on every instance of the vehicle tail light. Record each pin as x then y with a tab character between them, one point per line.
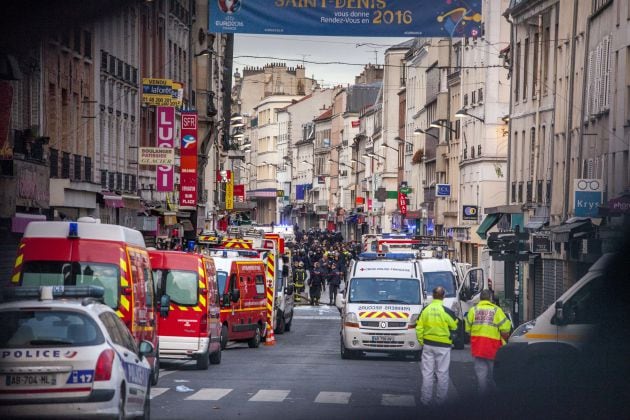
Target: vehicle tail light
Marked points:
104	365
203	323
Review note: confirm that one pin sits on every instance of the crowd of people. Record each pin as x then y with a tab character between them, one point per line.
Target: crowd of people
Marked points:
320	261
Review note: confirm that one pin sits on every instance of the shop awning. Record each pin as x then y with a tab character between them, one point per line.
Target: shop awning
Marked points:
112	200
132	202
487	224
563	232
539	219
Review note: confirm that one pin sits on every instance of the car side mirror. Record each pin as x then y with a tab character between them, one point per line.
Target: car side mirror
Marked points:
146	349
464	294
236	295
559	318
290	289
165	305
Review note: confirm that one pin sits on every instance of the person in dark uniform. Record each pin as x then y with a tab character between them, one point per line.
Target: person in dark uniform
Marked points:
334	280
299	279
315	284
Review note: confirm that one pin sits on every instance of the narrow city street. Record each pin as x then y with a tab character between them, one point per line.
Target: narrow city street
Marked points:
302	376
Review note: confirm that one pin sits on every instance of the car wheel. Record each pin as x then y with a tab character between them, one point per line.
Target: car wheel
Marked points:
281	323
215	358
254	342
146	412
345	353
224	337
203	359
155	375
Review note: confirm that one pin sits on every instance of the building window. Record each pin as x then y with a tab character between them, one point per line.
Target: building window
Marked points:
111	180
465	99
525	68
87	44
532	151
127	181
480	95
104	58
535	66
119	181
473	97
87	162
517	71
548	193
104	179
529	192
513	192
520	192
54	163
133	184
65	165
77	167
539	191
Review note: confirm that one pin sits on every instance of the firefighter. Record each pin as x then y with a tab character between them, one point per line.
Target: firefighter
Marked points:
489	329
299	280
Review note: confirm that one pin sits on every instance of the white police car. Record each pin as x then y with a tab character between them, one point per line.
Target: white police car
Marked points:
67	355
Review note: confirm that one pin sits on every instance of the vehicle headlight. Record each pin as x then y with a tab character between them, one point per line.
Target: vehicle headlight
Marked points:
414	319
352	317
523	329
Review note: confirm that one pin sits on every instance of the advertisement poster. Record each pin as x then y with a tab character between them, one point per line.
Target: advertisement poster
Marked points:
376	18
188	165
165	139
229	192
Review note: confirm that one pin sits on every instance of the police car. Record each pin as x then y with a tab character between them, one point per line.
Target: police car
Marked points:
66	354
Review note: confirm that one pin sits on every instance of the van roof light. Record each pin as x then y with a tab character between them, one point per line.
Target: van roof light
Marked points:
73	230
400	256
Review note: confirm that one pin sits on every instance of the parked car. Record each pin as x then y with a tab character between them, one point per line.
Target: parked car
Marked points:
65	354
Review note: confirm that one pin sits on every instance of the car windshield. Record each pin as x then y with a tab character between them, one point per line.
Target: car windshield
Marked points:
446	279
21	329
61	273
377	290
181	286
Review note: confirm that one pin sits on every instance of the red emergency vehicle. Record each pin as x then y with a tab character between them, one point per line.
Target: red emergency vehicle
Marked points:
191	327
89	253
242	286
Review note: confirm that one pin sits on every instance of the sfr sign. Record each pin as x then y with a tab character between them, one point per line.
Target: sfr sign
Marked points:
166	139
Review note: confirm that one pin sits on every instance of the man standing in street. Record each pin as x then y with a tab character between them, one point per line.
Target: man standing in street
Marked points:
334	280
489	329
299	280
433	330
315	285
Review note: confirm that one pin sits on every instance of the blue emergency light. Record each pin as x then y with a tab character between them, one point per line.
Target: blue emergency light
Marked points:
399	256
397	236
73	230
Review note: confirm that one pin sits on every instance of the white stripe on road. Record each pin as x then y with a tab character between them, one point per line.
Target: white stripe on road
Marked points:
270	395
325	397
398	400
156	392
209	394
316	317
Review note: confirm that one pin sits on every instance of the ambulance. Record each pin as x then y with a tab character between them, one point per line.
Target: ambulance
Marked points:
380	306
243	296
190	325
85	253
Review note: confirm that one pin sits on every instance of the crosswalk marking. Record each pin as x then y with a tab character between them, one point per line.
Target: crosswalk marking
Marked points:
156	392
326	397
398	400
209	394
270	395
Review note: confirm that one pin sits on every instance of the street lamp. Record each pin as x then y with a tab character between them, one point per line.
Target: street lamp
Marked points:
205	52
419	131
357	161
308	163
462	113
442	124
403	141
388	146
373	155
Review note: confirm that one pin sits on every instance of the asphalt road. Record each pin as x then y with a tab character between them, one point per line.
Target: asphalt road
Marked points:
302	376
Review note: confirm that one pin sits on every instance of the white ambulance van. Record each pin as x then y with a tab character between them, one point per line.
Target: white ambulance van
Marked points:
380	305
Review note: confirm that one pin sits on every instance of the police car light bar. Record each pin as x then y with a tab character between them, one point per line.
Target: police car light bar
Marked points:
401	256
51	292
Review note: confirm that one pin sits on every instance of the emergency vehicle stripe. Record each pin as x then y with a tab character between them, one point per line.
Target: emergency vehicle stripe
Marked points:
270	286
202	300
182	308
256	308
383	314
18	265
124	302
120	315
172	308
196	309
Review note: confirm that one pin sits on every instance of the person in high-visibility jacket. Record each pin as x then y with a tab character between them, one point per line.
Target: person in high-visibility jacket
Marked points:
433	330
299	280
489	329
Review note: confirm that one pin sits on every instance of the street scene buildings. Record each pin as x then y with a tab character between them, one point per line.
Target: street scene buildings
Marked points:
523	128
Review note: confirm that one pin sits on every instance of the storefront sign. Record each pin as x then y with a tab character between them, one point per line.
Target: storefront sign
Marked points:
541	244
165	139
588	197
399	18
229	192
402	203
188	152
443	190
470	212
239	191
156	156
157	92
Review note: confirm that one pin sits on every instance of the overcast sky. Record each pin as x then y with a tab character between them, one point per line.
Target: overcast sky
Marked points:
294	49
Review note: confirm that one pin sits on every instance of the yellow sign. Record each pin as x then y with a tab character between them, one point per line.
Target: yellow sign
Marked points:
229	192
156	156
157	92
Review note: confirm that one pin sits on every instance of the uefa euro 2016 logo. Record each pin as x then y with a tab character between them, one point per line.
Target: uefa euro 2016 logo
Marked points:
229	6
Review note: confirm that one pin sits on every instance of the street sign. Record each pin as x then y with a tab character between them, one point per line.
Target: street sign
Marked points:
443	190
541	244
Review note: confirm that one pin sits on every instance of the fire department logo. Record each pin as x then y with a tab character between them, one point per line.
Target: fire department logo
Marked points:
229	6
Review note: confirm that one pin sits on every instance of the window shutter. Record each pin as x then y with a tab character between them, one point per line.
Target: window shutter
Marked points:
598	80
589	86
606	74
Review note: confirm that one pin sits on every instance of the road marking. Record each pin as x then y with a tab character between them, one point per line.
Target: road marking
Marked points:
270	395
398	400
210	394
317	317
326	397
156	392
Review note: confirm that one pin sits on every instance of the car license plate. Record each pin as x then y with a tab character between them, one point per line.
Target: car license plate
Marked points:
31	380
382	338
